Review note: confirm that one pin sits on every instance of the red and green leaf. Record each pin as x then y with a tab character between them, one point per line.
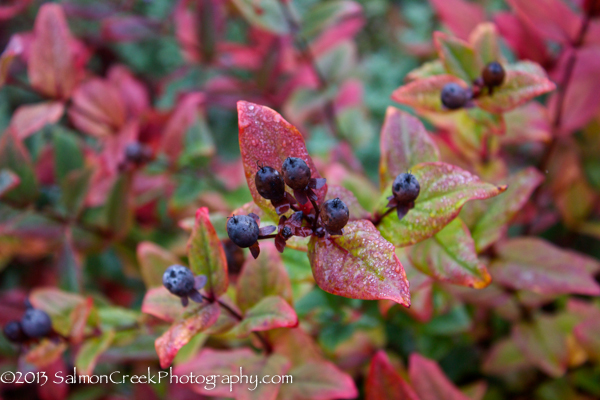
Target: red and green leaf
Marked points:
262	277
425	94
181	332
458	56
533	264
154	260
269	313
492	224
445	189
354	207
29	119
450	256
91	350
360	264
485	42
404	143
319	380
206	255
518	88
15	158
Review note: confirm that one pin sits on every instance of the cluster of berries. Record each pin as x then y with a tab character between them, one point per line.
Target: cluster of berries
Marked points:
136	155
35	324
243	230
454	96
181	282
405	191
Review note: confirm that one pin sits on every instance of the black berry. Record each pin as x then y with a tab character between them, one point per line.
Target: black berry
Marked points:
405	188
242	230
493	74
269	183
179	280
334	215
138	153
454	96
36	323
296	173
14	332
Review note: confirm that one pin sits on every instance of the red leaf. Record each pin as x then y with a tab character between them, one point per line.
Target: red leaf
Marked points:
551	18
52	66
206	255
586	333
523	39
133	92
359	264
45	353
15	47
582	99
528	123
518	88
425	94
536	265
29	119
262	277
184	116
384	383
460	16
430	382
266	138
180	333
127	28
14	7
98	108
404	143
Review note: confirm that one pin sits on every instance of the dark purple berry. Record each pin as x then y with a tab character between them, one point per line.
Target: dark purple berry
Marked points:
334	215
14	332
36	323
405	188
493	74
296	173
454	96
179	280
269	183
138	153
242	230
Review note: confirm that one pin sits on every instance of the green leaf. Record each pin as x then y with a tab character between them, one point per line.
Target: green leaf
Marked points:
67	153
181	332
206	255
485	41
262	277
154	261
91	350
118	214
59	305
528	263
518	88
15	157
360	264
265	14
69	267
505	357
457	56
270	313
326	14
450	256
492	224
426	70
74	188
425	94
404	143
445	189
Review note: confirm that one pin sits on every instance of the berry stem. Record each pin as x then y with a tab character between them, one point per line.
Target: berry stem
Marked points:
265	343
377	218
316	221
271	236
